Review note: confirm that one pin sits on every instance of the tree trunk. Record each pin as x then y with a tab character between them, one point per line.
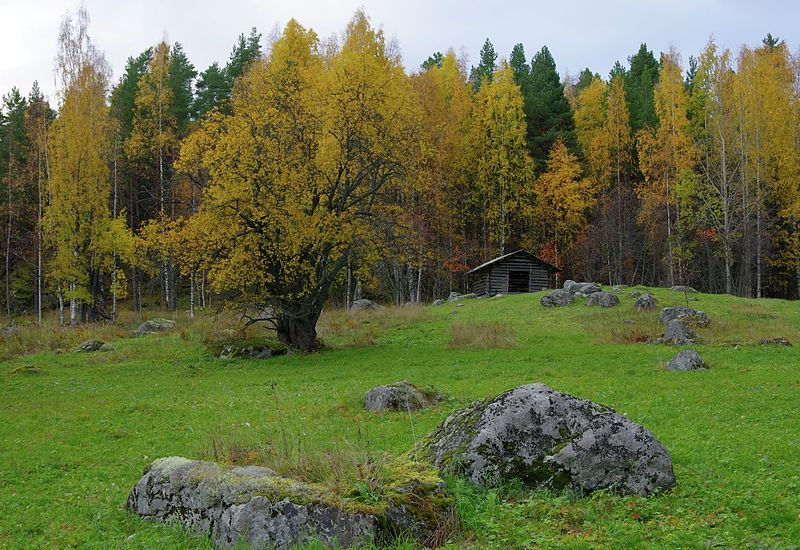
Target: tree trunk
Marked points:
299	332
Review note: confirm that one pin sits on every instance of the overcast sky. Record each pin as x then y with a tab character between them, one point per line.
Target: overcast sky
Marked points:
579	33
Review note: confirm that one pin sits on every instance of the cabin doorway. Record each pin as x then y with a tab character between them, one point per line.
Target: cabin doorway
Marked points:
519	281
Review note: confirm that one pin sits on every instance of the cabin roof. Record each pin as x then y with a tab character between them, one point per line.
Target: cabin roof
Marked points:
499	259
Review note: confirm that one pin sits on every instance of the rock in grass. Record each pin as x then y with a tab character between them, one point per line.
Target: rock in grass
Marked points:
93	345
635	293
686	360
400	396
364	305
549	439
155	325
581	289
645	302
780	341
677	333
602	299
438	302
556	298
683	288
254	507
686	314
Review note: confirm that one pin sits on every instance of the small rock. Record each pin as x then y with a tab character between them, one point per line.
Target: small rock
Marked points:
250	351
780	341
437	302
603	299
549	439
556	298
686	360
635	293
400	396
363	305
497	296
453	297
616	288
682	288
645	302
93	345
155	325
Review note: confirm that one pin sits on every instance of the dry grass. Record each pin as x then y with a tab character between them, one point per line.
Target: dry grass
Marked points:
340	327
482	336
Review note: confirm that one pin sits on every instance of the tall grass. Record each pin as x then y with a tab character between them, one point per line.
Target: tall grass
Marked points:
482	336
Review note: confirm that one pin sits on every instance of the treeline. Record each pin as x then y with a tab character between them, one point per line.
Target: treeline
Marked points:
312	170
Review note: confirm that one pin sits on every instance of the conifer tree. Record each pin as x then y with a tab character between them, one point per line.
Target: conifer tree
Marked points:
486	67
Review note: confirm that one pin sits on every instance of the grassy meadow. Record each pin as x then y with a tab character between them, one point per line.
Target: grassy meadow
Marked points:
77	429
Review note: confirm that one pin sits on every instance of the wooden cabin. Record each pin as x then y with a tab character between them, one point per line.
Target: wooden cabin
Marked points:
518	271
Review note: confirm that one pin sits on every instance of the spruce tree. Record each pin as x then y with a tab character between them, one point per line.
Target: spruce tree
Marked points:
434	60
211	90
487	66
547	109
181	75
640	81
519	66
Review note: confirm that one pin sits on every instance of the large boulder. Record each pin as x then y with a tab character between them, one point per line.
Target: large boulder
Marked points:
585	289
677	333
602	299
556	298
645	302
686	314
154	325
93	345
363	305
252	506
400	396
687	360
548	439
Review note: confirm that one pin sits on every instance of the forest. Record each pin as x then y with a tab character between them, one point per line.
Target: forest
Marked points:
309	171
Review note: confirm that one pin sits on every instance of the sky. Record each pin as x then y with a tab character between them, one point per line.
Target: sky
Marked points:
579	33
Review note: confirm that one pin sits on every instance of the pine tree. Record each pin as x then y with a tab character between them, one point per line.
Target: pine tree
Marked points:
212	90
434	60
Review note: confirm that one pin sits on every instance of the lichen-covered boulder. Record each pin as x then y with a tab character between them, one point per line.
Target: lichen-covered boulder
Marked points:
677	333
363	305
686	360
438	302
556	298
93	345
545	438
686	314
602	299
253	506
453	296
400	396
645	302
155	325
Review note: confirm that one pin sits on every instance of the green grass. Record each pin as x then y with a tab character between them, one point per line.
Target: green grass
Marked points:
76	430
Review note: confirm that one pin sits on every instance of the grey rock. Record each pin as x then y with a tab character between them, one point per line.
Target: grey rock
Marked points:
548	439
364	305
568	284
252	506
453	296
438	302
677	333
556	298
683	288
635	293
155	325
400	396
248	506
645	302
584	289
686	314
93	345
602	299
616	288
468	296
780	341
250	351
686	360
